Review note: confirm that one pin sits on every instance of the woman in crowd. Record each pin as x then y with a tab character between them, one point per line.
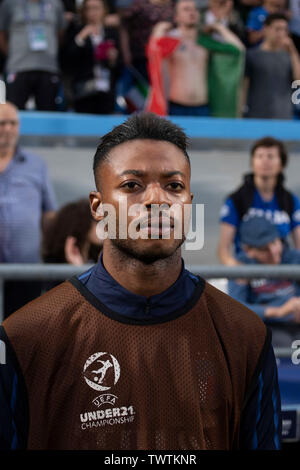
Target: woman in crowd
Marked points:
92	55
262	194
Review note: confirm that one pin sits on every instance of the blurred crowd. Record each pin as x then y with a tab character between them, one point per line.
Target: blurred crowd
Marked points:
259	225
222	58
188	58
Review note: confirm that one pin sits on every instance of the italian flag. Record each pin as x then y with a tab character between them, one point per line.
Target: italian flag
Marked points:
225	73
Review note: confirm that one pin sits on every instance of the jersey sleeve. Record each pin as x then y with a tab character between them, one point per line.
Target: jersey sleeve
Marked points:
295	219
229	213
14	414
261	419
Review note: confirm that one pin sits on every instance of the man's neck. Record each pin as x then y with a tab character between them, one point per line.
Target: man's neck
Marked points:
159	2
138	277
98	24
188	33
265	186
267	46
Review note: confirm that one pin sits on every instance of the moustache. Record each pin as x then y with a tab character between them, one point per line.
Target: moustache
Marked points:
163	220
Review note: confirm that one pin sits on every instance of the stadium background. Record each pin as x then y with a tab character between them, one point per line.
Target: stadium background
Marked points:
68	142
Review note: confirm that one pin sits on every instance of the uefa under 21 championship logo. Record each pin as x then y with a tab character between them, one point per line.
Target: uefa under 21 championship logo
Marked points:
101	371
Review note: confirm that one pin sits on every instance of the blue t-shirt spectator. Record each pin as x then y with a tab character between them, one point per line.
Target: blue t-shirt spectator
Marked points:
284	222
257	18
255	22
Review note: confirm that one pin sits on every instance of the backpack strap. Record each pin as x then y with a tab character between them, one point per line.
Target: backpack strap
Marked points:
243	197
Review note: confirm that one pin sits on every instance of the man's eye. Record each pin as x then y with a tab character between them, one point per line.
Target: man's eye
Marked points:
130	185
176	185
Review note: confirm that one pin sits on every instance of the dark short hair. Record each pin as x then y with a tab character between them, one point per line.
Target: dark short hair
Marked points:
83	7
274	17
141	126
271	142
73	219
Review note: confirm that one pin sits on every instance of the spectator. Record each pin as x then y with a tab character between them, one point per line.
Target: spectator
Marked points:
276	301
222	11
71	236
112	18
29	34
205	78
262	194
245	6
26	200
270	71
92	49
294	23
257	17
137	22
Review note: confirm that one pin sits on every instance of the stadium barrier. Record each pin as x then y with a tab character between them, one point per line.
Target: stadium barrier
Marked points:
50	272
53	124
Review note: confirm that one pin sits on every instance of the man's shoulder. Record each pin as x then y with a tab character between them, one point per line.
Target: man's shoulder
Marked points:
242	334
30	158
40	315
232	317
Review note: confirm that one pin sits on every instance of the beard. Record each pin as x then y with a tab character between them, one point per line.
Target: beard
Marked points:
130	249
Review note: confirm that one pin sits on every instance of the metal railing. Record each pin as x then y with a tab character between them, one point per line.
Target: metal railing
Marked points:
50	272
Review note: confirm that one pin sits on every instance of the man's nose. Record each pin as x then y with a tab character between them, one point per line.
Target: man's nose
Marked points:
155	194
7	125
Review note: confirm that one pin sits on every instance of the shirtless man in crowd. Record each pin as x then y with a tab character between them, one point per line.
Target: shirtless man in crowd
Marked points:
187	64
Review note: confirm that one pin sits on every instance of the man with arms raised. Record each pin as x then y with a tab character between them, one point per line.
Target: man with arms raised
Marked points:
186	54
137	352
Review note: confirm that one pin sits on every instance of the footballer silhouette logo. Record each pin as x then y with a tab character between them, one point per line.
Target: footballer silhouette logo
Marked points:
101	371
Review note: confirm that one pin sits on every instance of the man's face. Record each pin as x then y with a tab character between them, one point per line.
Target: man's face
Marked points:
267	254
187	13
276	32
274	6
266	162
94	11
145	172
9	127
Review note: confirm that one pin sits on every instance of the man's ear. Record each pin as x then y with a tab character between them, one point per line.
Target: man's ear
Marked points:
72	252
96	205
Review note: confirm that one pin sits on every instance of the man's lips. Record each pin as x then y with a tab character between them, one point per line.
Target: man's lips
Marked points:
160	223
